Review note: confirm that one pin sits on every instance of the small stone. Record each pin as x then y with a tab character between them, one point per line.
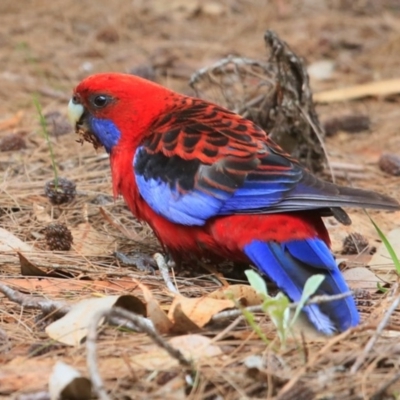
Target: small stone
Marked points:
390	163
58	237
60	192
354	243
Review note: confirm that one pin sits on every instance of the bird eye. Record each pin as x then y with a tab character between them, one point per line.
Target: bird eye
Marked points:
100	101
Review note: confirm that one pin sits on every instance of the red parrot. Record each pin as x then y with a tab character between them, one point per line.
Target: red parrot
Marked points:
211	183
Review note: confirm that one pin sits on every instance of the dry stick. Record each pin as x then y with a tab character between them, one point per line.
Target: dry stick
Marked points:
361	358
56	308
315	300
321	142
163	267
26	301
142	325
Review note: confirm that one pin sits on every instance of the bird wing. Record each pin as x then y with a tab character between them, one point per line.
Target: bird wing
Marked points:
201	161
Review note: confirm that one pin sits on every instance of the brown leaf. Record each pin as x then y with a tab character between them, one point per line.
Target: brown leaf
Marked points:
72	328
198	310
154	311
196	347
28	268
245	294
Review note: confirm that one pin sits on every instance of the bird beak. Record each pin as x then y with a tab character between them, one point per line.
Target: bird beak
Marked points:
78	117
75	111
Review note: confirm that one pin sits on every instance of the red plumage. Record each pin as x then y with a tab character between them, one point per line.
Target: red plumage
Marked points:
211	183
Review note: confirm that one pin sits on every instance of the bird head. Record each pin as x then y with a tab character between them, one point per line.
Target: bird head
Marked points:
115	110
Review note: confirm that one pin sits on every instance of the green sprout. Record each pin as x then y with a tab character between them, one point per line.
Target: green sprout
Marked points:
388	246
278	307
45	134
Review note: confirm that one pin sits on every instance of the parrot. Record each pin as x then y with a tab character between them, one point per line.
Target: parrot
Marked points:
212	184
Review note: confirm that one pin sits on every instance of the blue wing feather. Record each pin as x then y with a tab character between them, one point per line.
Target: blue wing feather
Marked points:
290	264
193	206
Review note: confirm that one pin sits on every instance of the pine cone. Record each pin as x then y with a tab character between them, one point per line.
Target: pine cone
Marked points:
58	236
354	243
62	192
12	142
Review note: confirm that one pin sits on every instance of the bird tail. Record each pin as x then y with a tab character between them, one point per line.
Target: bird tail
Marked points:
291	263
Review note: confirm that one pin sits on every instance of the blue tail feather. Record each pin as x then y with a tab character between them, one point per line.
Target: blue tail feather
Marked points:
291	263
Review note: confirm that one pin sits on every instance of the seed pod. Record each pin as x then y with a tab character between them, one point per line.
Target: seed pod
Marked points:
60	192
58	237
354	243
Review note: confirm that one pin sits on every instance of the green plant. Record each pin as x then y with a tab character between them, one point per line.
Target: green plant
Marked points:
278	307
387	244
45	134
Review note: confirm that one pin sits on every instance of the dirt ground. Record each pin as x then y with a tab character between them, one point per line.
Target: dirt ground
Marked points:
46	48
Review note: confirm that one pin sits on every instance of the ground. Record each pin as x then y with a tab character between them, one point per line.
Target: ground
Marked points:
46	48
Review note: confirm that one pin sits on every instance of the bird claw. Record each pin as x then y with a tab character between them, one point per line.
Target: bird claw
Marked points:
142	262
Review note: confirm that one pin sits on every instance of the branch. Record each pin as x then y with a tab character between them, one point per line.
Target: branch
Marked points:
256	309
142	325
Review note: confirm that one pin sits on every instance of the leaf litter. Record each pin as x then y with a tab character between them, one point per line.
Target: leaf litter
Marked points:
231	361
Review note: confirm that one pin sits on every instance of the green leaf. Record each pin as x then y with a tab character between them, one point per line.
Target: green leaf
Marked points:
381	288
45	134
278	310
388	246
310	288
249	316
257	282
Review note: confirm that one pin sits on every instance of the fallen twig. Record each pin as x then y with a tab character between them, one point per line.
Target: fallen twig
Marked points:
379	88
142	325
315	300
163	267
46	306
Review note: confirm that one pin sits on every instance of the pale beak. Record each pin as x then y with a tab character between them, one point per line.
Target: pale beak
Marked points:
75	112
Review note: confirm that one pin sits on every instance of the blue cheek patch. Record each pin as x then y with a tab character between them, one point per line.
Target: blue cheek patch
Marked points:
106	132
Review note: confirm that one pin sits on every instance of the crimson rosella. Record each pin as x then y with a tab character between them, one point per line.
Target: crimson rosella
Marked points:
212	184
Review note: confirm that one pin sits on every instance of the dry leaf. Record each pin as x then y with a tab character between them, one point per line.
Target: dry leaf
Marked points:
245	294
154	311
28	268
67	383
72	328
182	323
197	310
9	242
196	347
